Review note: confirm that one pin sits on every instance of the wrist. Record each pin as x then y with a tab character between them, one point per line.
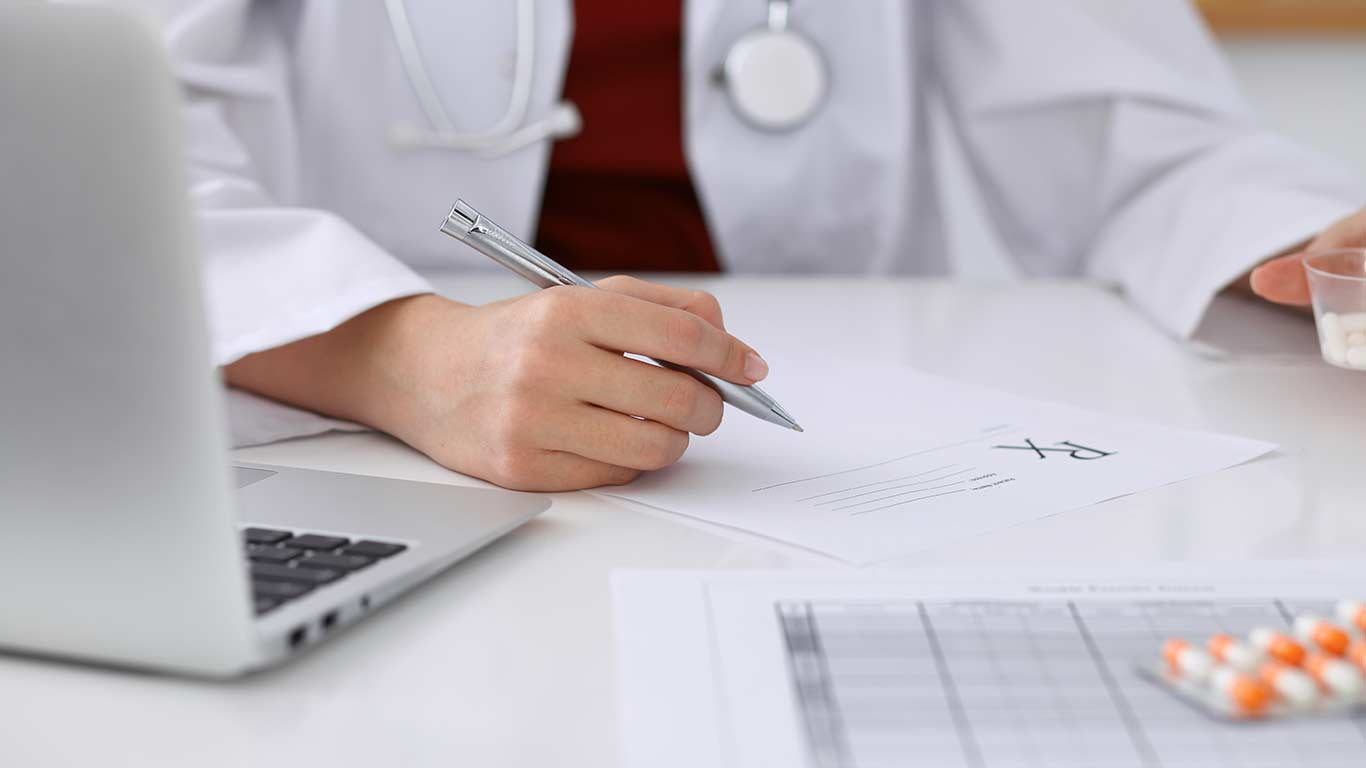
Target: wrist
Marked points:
392	350
358	371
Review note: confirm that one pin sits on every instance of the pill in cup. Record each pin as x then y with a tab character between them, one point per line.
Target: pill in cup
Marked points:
1337	283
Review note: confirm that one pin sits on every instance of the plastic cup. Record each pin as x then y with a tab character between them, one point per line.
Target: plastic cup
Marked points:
1337	283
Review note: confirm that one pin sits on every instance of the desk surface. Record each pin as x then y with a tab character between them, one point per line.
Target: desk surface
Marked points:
507	659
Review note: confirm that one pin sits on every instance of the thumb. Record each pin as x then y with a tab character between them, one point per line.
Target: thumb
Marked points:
1282	280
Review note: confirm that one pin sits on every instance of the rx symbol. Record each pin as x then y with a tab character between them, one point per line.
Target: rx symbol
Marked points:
1079	452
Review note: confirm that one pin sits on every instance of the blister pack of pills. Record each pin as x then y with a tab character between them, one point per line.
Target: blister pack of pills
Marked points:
1316	669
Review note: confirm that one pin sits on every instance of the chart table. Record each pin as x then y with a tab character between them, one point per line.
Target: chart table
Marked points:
1048	683
962	667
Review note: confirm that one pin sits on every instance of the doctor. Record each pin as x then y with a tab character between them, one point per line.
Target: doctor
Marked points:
1106	138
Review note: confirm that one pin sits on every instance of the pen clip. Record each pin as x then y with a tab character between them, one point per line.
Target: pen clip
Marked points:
466	221
469	226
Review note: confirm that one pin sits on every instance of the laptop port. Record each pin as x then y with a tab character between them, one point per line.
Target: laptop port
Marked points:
296	637
365	602
329	620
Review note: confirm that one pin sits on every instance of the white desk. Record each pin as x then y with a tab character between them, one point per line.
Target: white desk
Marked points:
507	659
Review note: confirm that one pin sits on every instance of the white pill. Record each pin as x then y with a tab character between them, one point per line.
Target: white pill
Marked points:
1356	357
1343	679
1353	322
1356	339
1333	338
1335	348
1196	664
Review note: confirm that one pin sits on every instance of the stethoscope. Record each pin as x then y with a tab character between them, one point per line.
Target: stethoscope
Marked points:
774	76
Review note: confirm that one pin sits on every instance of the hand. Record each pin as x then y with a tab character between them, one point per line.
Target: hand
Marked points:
532	393
1282	280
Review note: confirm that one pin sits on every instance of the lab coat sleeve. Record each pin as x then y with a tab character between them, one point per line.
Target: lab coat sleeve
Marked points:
1108	138
274	272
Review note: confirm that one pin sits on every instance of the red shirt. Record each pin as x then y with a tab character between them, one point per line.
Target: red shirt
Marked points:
618	196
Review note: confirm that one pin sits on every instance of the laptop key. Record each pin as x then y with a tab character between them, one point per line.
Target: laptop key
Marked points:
265	605
265	535
279	590
339	562
311	576
279	555
368	548
315	541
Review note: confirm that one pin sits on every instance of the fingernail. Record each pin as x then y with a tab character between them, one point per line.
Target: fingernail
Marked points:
755	367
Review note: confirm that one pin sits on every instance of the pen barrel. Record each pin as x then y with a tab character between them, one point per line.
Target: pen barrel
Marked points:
495	248
749	399
469	226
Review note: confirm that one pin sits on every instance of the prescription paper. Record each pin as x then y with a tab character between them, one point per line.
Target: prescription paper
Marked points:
953	666
894	461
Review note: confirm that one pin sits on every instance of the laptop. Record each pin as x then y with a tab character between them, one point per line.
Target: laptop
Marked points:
126	537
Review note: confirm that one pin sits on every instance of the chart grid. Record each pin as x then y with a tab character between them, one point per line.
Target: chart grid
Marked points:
1046	684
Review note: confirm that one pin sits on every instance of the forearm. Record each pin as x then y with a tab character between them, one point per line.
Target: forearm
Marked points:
353	371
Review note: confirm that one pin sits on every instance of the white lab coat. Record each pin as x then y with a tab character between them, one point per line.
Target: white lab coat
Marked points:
1106	138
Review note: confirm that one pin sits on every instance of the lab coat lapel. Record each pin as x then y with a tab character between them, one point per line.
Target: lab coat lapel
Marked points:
780	201
513	183
352	89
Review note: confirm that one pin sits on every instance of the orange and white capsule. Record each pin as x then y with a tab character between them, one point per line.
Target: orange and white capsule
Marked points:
1187	661
1278	646
1352	613
1236	654
1290	684
1356	653
1322	635
1334	675
1243	694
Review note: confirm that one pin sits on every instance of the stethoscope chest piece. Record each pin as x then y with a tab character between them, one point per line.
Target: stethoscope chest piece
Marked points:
775	77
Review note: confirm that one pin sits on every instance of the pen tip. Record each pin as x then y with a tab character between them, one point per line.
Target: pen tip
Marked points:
784	418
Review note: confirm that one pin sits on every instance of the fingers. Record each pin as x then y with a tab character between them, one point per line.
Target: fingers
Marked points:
549	471
613	438
658	394
700	303
555	404
615	321
1282	280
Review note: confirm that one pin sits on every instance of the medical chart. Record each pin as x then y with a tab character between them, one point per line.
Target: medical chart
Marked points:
981	668
894	461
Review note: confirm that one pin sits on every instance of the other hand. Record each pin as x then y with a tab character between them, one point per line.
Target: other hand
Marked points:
1282	280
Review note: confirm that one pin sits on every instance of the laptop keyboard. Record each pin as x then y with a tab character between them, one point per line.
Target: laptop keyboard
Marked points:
288	564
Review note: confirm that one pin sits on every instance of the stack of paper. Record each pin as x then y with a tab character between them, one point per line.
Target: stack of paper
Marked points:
894	461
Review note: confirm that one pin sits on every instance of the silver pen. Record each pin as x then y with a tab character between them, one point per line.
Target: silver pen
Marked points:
477	231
